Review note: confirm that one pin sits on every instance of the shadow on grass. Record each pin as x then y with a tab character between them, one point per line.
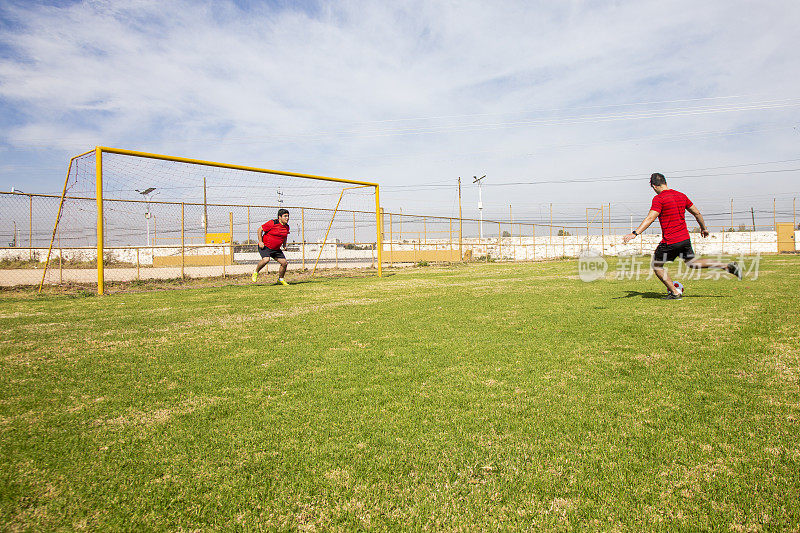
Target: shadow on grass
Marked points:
633	294
298	282
660	295
321	279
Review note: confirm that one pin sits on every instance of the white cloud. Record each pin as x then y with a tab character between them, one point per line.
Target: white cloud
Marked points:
414	91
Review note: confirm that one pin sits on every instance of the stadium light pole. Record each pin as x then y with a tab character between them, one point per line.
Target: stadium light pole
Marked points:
479	181
14	190
146	193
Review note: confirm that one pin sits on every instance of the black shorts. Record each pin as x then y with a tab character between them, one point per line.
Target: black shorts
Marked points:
269	252
668	252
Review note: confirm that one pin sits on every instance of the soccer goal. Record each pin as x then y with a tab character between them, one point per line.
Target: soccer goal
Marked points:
130	215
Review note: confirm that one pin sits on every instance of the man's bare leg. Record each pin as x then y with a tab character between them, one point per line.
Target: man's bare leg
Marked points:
663	275
730	268
262	264
282	271
706	263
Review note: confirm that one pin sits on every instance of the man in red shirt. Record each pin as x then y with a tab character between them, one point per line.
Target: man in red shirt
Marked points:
669	206
272	237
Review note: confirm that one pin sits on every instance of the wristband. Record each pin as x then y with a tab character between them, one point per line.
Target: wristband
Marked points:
634	232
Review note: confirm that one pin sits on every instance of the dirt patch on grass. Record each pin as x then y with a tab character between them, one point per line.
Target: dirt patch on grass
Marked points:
158	416
18	314
276	314
75	289
651	358
692	480
338	476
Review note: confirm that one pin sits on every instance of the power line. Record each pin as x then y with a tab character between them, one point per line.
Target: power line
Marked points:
620	177
554	110
558	121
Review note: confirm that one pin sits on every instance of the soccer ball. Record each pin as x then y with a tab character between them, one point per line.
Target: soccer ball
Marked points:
679	286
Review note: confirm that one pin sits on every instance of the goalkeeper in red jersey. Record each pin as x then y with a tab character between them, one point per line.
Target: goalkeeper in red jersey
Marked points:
272	237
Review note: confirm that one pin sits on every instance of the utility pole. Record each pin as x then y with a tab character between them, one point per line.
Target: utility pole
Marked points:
732	214
460	221
753	214
478	180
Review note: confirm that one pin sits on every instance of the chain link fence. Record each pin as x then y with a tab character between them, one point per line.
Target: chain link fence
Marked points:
167	240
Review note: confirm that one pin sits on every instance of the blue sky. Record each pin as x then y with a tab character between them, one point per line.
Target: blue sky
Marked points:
539	96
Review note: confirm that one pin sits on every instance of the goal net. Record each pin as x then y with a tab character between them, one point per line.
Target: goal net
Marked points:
149	216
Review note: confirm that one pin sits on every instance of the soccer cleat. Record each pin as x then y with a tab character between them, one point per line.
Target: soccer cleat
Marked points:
671	296
255	277
282	282
735	269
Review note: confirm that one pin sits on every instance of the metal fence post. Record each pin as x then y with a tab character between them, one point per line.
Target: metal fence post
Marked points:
499	241
30	228
183	244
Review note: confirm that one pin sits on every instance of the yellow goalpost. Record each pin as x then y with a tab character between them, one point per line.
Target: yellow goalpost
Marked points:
116	173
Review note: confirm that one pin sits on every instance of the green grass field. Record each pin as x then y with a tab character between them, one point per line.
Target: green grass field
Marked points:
482	396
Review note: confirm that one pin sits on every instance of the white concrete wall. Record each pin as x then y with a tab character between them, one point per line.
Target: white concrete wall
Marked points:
510	248
530	248
145	255
123	255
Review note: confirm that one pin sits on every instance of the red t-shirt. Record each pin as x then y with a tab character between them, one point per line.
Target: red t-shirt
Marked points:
275	234
671	205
